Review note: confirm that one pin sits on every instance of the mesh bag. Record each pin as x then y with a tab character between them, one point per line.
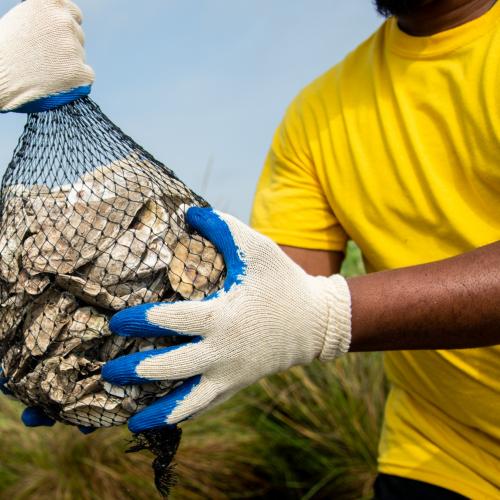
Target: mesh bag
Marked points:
90	224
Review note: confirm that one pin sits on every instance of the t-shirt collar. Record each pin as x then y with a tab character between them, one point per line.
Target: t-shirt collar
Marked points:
434	45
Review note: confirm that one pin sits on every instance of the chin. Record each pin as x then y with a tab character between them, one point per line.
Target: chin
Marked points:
400	7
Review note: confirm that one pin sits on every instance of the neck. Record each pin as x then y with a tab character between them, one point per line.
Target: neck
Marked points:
441	15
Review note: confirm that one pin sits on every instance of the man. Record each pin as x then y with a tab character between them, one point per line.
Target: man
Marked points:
397	148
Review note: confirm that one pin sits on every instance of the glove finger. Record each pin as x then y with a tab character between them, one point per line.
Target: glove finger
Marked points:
86	430
215	227
74	10
186	400
43	4
220	399
4	390
3	382
80	35
159	320
34	417
200	399
88	75
171	363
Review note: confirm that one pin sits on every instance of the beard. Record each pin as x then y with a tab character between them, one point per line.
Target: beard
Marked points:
399	7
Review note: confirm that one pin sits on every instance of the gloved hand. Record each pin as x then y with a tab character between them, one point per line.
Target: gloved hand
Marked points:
270	316
42	57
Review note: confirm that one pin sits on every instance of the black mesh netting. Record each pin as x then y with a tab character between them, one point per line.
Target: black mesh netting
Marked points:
90	224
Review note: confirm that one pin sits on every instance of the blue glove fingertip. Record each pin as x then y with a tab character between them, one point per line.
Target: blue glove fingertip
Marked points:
34	417
157	414
3	386
86	430
212	227
133	322
123	370
5	391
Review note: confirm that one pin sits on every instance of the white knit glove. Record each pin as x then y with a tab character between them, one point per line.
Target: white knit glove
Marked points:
41	56
270	316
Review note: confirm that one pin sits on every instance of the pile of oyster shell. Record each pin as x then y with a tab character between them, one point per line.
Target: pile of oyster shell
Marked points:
73	255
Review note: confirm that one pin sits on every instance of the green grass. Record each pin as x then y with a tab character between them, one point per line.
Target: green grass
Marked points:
311	432
353	262
59	463
319	426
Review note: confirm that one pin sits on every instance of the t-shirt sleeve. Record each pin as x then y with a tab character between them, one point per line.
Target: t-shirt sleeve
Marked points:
290	205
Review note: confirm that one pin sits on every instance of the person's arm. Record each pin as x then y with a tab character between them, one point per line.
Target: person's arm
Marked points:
315	262
272	315
449	304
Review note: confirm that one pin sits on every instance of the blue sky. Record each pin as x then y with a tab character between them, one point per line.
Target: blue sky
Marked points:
202	84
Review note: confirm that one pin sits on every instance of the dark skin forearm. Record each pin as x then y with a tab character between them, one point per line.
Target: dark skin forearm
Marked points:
315	262
449	304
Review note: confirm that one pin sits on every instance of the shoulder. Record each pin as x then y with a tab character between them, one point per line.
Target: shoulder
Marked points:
323	93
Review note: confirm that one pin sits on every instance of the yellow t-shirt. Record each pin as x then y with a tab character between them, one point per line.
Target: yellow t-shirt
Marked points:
398	148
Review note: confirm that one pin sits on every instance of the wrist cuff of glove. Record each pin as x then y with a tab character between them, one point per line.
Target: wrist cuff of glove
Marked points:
54	101
24	99
338	333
